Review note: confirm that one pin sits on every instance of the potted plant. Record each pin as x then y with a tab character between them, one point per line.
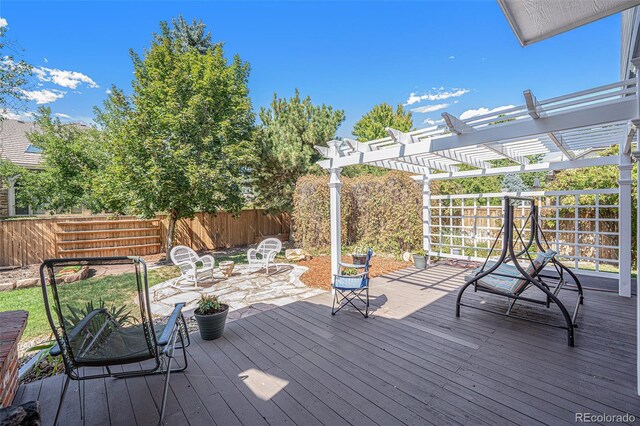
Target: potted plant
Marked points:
359	256
211	316
420	259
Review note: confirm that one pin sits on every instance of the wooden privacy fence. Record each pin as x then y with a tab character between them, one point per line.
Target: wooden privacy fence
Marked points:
223	230
30	241
127	236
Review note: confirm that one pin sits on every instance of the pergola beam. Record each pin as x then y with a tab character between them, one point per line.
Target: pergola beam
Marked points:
533	107
537	167
456	125
591	115
558	143
459	127
358	146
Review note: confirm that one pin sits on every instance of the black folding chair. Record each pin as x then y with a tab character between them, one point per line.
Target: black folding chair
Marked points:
349	288
93	332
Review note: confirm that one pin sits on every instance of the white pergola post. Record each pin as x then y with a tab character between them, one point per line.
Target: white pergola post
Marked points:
625	216
426	217
334	208
636	155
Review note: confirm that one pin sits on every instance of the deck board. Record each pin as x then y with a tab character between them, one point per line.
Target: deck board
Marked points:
411	362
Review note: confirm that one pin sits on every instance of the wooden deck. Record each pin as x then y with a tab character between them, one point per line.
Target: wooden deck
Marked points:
411	362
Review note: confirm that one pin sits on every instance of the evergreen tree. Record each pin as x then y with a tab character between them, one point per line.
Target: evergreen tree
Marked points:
288	131
192	35
513	183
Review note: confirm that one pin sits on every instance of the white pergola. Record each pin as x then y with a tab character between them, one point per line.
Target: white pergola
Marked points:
564	126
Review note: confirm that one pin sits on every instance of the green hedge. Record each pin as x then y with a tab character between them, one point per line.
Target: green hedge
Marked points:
383	212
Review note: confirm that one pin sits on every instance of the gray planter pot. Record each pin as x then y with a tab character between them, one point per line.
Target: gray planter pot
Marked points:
212	326
359	258
420	261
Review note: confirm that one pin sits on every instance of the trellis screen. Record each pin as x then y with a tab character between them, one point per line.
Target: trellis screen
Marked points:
582	226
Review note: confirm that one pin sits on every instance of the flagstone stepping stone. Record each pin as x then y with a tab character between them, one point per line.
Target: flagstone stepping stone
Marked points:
246	292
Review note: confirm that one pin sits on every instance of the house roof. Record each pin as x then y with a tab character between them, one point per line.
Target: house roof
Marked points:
14	145
533	21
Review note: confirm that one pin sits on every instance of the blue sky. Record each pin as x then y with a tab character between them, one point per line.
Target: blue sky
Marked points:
350	55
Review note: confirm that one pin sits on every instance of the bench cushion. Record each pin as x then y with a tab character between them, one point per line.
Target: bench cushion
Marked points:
515	283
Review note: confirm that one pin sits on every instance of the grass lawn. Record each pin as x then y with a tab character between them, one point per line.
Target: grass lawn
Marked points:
114	290
238	258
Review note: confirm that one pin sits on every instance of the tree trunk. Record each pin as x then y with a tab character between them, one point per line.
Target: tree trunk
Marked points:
171	230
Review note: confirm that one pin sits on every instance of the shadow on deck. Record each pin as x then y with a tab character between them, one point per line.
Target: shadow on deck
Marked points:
411	362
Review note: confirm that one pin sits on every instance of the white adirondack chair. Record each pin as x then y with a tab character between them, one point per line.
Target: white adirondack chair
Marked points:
187	259
265	254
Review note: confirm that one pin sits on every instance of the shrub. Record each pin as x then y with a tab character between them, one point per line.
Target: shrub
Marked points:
311	226
383	212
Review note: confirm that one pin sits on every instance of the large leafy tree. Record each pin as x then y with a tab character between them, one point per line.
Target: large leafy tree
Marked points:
14	74
288	131
372	126
72	155
178	143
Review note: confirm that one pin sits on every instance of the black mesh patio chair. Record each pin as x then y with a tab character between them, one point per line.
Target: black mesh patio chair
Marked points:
92	330
350	288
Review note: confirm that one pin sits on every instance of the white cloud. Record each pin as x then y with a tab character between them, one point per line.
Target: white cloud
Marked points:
18	115
452	57
61	115
432	122
429	108
108	91
68	79
482	111
44	96
439	94
3	22
45	60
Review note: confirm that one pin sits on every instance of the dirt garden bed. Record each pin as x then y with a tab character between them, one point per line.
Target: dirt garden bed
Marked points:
319	273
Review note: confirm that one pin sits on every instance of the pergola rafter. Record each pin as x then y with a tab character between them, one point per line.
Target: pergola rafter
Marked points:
507	153
451	155
558	143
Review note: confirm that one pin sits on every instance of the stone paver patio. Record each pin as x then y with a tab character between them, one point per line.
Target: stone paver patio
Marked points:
246	291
